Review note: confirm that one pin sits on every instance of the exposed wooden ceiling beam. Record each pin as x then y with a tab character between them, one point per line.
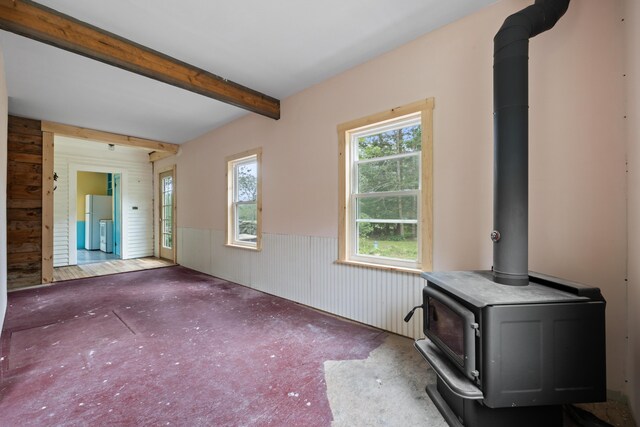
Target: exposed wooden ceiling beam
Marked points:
49	26
108	137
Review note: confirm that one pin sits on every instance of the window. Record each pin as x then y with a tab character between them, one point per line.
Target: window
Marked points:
166	209
385	189
244	228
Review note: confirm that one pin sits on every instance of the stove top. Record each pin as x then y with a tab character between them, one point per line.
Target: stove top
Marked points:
478	289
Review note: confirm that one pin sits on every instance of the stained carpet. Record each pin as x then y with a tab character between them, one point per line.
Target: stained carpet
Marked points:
169	347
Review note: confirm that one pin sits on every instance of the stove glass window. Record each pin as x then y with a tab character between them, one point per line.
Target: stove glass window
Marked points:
447	326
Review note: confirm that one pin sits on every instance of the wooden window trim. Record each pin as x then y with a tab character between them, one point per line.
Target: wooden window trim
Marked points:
229	226
385	267
425	108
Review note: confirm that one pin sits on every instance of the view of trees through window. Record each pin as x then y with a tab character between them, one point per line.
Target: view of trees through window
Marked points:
386	191
246	180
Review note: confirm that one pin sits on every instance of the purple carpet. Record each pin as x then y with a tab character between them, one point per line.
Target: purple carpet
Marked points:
169	346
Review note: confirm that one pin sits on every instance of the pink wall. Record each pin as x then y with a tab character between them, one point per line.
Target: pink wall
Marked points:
632	71
577	149
578	154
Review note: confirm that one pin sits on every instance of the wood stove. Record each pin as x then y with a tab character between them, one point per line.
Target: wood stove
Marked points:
511	347
512	355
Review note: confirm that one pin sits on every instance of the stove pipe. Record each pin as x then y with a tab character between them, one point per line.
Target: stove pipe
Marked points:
511	139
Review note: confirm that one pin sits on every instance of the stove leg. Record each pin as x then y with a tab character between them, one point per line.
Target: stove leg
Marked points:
449	416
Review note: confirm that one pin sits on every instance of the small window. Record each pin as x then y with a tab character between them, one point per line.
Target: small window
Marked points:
385	188
244	228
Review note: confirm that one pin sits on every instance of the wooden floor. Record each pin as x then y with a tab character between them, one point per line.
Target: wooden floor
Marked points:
108	267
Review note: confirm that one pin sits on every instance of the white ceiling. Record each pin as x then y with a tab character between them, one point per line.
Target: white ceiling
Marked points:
277	47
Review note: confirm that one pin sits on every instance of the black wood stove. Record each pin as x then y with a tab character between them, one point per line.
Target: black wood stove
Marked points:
512	355
511	347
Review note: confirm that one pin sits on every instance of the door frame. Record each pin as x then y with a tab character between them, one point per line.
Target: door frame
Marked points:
174	219
117	213
159	150
74	168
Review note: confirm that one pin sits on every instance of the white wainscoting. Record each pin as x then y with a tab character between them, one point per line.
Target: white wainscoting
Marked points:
303	269
61	212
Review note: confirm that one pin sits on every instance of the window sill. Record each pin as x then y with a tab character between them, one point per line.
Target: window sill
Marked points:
380	266
250	248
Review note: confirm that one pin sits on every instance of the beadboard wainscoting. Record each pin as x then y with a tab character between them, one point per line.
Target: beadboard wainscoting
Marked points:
61	230
303	269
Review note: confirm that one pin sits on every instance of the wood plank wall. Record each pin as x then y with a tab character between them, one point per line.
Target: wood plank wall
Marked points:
24	203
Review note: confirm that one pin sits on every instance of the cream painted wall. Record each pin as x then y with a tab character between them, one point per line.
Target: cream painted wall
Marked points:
577	163
577	150
89	183
4	111
632	71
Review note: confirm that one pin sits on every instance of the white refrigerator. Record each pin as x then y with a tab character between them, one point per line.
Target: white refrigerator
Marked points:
96	208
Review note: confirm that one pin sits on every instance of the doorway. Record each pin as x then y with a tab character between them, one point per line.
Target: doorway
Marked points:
131	161
167	210
98	216
95	241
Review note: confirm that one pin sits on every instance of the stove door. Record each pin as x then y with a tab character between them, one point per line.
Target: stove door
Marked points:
451	327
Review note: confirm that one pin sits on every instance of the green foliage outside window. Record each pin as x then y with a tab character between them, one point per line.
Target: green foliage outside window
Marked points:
247	193
396	171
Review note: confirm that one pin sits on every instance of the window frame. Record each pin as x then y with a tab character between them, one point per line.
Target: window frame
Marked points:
163	207
347	232
231	224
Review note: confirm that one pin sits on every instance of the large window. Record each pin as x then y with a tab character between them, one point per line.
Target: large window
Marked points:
244	228
385	188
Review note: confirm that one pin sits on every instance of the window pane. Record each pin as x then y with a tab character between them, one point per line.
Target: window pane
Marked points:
391	240
166	241
387	208
405	140
167	183
166	226
247	224
243	185
247	182
389	175
166	200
